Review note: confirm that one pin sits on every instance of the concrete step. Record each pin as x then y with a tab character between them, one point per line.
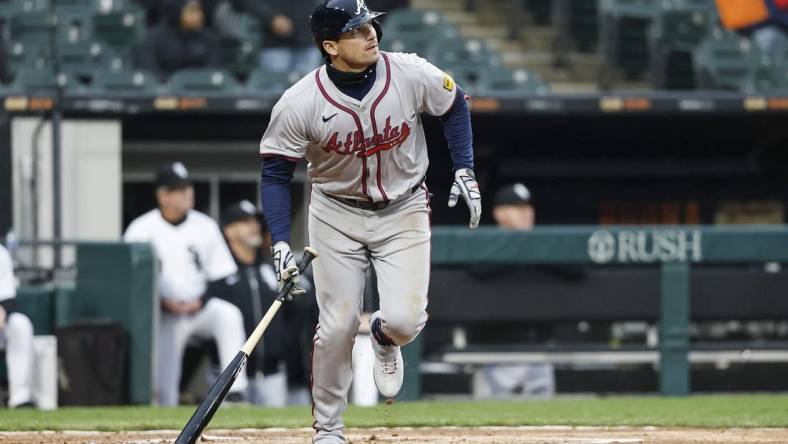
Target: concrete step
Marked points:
573	87
483	32
438	5
460	18
537	37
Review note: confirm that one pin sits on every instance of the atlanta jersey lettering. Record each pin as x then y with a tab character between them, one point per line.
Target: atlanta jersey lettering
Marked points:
373	149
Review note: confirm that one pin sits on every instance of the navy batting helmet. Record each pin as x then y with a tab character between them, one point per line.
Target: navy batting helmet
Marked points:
333	17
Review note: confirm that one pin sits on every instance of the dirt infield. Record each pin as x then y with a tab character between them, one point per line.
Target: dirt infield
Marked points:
444	435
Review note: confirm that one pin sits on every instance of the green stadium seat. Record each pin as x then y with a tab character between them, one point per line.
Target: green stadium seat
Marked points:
726	62
203	81
120	29
584	24
240	56
28	55
510	83
623	28
412	24
125	81
39	81
267	82
673	34
29	27
541	10
465	54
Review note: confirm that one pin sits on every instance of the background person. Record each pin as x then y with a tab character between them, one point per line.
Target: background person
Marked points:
194	259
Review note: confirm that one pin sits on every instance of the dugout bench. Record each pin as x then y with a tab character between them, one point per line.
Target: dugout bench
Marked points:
680	273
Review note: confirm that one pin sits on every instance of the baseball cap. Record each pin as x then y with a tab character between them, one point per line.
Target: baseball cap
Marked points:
240	211
173	175
514	194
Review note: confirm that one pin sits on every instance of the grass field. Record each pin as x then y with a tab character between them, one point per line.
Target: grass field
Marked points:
697	411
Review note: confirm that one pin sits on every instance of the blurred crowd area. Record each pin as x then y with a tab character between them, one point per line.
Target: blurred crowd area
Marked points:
491	47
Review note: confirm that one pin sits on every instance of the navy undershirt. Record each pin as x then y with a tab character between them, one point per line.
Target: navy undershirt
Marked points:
277	171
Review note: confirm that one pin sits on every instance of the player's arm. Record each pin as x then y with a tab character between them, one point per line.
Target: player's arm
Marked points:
283	145
442	97
7	283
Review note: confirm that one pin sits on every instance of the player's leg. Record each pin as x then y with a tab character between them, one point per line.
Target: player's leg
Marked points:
19	359
173	332
401	257
339	284
223	321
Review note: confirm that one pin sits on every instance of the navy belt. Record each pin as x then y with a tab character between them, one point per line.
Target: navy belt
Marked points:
369	204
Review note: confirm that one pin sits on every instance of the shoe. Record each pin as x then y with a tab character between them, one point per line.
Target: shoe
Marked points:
389	369
235	398
25	405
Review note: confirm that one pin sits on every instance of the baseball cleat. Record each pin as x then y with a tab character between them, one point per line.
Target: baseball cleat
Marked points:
389	370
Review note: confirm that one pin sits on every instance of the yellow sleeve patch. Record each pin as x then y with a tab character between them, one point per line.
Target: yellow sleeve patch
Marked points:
448	82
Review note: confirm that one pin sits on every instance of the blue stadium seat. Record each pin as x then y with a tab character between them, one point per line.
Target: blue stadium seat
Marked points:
203	81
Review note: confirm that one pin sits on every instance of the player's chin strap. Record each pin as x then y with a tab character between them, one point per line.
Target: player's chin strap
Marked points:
465	185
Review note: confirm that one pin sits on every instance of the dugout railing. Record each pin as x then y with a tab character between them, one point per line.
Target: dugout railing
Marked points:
665	298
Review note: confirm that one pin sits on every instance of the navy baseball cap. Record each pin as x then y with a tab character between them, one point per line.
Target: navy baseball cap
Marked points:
514	194
241	211
172	176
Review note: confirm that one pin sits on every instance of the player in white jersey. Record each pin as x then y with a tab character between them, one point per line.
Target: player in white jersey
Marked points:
16	336
356	120
193	258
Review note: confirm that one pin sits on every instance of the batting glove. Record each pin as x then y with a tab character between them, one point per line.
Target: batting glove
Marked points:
286	268
465	185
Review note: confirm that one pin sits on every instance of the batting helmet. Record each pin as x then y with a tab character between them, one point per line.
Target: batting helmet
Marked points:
333	17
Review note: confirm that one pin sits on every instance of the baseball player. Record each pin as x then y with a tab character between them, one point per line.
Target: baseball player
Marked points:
16	336
356	120
194	259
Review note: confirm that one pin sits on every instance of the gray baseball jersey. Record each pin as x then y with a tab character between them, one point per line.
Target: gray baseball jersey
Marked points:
369	149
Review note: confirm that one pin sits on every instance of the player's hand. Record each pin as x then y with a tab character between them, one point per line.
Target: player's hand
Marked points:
465	185
2	317
286	268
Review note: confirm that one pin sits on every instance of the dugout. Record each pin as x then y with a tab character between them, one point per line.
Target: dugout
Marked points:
656	158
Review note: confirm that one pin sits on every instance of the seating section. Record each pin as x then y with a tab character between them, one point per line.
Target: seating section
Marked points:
678	43
95	43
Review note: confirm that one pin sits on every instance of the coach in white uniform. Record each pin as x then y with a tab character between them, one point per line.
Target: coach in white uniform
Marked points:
193	256
357	121
16	335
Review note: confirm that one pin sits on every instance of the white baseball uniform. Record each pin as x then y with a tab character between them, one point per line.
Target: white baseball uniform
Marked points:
368	150
17	338
191	254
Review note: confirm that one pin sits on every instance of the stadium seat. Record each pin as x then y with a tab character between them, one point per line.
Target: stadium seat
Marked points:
40	81
673	34
463	55
726	62
623	26
125	81
120	29
273	83
240	56
408	30
28	55
510	83
203	81
584	23
29	27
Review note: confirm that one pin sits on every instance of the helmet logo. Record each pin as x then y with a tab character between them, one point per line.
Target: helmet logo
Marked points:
359	6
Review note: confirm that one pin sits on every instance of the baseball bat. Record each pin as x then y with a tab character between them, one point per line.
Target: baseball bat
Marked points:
202	416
